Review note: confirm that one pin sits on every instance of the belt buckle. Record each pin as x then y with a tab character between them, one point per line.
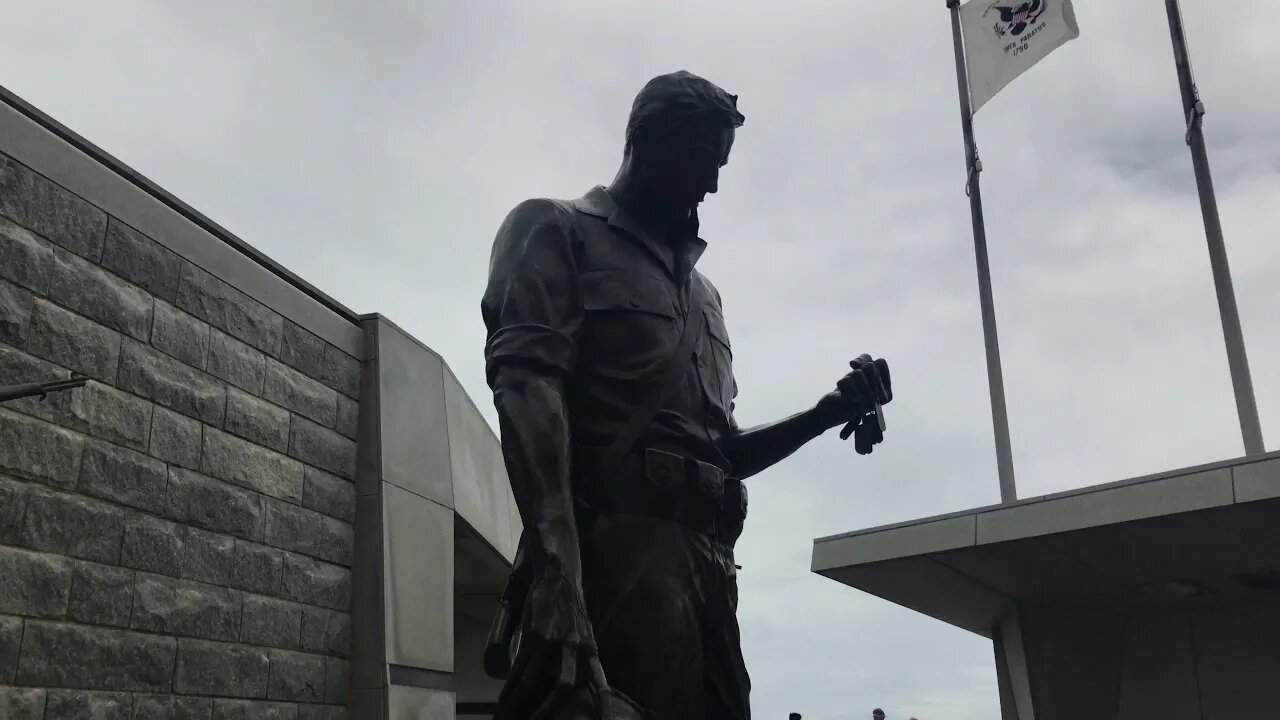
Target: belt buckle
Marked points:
664	470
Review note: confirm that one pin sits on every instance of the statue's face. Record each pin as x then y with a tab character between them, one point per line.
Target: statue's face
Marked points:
685	168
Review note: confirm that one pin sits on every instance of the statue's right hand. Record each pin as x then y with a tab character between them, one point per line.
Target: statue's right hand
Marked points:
556	652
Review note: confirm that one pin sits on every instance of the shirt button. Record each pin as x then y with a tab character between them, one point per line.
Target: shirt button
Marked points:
635	301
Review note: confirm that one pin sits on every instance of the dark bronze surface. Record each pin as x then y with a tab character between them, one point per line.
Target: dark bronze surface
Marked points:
626	568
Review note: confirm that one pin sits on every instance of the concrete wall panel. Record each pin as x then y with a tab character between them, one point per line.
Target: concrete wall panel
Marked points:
1257	481
481	493
415	433
1194	491
419	580
410	703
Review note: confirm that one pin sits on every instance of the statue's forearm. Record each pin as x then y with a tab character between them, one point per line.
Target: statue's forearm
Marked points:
758	448
536	448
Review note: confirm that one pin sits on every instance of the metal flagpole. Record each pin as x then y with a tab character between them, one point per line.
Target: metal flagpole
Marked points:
995	378
1237	360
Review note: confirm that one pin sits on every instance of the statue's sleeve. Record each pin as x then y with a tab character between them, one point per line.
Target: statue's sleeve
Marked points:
531	306
533	314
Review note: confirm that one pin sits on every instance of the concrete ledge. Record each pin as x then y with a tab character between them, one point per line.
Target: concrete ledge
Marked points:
1118	547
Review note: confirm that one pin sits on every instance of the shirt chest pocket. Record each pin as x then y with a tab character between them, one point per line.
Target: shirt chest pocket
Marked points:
631	324
718	364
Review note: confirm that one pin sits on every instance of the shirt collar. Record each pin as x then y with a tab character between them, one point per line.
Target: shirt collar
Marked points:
598	203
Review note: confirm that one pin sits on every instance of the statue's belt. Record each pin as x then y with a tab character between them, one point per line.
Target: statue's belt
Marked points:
655	483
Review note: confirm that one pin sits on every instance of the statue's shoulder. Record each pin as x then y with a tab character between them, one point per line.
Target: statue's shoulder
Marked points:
540	210
709	289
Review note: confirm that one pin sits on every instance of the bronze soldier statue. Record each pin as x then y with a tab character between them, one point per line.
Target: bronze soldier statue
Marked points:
611	370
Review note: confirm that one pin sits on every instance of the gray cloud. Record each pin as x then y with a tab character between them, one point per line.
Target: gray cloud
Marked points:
374	148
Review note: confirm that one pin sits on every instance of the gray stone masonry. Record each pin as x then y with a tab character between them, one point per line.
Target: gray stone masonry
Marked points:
18	703
175	536
27	260
80	286
229	310
19	367
47	210
180	335
257	420
101	594
236	362
74	342
142	262
88	704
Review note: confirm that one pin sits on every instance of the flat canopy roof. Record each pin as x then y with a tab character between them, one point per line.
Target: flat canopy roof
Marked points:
1205	534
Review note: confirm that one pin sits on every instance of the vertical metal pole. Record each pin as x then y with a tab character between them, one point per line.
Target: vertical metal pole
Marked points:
995	378
1237	360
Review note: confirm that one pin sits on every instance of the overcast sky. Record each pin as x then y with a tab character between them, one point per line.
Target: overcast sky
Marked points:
373	148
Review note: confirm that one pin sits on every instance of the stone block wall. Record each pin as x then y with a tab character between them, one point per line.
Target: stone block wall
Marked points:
176	536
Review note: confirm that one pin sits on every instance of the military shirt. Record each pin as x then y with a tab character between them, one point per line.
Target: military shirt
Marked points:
579	291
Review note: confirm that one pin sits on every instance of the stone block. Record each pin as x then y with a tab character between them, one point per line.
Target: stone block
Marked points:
175	438
67	655
35	584
322	447
97	294
291	389
326	631
253	710
230	310
257	568
72	525
257	420
15	314
13	507
10	644
25	258
213	505
328	494
296	676
302	350
101	594
88	705
141	260
315	582
207	556
36	450
50	210
184	607
180	335
74	342
306	531
336	680
110	414
17	703
168	382
214	668
115	473
253	466
348	417
268	621
322	712
19	367
153	545
341	372
236	362
171	707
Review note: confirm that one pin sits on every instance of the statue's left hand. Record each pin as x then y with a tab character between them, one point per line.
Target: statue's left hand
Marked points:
857	393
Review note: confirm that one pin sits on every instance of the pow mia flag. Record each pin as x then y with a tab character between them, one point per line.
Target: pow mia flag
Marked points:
1004	38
